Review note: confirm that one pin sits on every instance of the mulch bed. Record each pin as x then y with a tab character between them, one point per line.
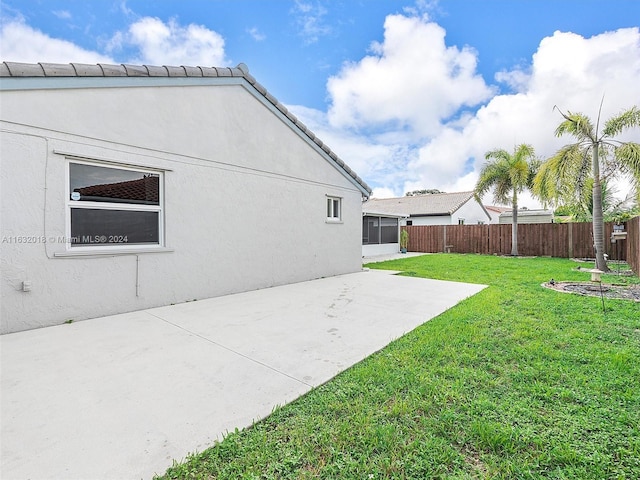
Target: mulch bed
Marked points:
595	289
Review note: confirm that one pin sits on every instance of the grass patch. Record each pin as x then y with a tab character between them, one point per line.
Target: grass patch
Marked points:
516	382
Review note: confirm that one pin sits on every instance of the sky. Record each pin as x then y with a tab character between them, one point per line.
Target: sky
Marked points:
411	94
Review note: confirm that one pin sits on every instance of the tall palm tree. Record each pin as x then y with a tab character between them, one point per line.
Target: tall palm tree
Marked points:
508	175
595	157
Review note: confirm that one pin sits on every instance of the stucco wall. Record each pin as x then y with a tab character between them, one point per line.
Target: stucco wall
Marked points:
380	249
471	211
244	205
431	220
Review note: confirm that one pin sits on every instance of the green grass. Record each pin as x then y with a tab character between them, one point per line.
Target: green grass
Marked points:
516	382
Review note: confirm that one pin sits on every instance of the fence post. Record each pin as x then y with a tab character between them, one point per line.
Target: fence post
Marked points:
570	249
444	246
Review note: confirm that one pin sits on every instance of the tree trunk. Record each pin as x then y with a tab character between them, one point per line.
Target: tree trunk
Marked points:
598	217
514	225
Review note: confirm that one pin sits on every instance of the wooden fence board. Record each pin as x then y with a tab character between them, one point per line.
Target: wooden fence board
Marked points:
568	240
633	244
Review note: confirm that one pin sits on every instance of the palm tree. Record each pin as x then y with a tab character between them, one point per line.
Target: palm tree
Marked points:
594	158
508	175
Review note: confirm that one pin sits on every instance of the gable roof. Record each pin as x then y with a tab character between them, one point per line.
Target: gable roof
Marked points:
496	209
420	205
15	70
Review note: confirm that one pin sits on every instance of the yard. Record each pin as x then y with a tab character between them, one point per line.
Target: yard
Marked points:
518	381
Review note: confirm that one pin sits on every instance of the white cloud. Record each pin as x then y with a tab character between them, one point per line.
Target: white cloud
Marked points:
256	34
309	18
170	43
382	192
417	91
21	43
62	14
568	71
410	83
148	40
125	9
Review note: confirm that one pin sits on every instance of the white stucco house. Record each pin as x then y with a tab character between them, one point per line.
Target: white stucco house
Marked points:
460	208
126	187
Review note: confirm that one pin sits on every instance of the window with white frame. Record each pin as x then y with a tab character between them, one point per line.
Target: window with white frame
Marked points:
334	209
114	206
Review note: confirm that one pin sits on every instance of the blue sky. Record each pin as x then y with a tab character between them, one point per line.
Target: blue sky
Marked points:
410	93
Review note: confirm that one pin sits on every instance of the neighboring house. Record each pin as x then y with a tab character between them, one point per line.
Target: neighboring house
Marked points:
527	216
380	233
495	212
460	208
126	187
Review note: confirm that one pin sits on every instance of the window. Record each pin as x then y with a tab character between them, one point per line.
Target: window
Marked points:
114	206
378	230
334	209
461	221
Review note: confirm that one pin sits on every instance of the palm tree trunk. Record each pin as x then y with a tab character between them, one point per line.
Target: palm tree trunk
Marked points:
598	217
514	225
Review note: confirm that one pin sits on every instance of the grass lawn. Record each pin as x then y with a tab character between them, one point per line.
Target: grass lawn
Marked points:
516	382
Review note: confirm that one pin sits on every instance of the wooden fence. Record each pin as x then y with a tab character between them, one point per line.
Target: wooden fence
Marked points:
633	244
568	240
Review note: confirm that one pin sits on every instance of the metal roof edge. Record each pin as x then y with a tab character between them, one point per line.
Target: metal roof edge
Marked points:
382	214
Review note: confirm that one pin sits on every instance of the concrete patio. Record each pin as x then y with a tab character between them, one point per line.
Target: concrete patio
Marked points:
123	396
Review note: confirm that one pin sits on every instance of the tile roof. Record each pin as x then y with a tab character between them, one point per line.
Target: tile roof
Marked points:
420	205
16	69
143	190
496	209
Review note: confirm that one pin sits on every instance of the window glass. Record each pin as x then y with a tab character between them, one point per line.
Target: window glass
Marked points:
91	226
333	208
114	207
92	183
336	208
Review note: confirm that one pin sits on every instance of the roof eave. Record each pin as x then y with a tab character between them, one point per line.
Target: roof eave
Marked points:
124	74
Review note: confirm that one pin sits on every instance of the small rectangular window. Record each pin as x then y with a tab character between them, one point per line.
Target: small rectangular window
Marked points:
334	209
461	221
113	206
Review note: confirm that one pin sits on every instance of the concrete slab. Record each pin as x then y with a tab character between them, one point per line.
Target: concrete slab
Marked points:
122	396
391	256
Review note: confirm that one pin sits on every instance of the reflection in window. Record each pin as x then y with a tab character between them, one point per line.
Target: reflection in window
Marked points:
106	184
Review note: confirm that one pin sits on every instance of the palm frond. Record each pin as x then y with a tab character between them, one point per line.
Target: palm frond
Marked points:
577	125
564	175
627	119
505	173
628	158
